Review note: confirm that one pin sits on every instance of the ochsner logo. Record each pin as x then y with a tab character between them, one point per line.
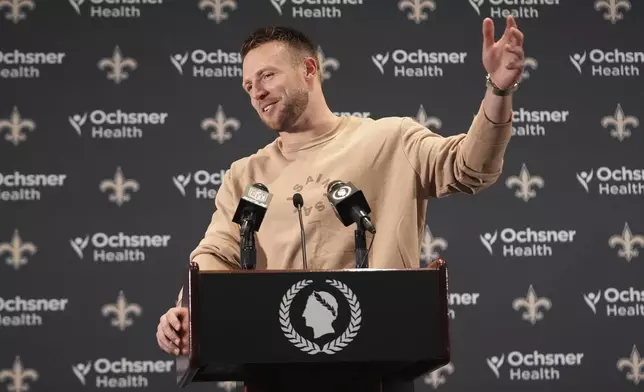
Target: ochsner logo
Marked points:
532	366
417	63
111	8
119	247
526	242
521	9
613	182
208	64
116	125
122	373
19	186
612	62
309	9
206	183
16	64
617	302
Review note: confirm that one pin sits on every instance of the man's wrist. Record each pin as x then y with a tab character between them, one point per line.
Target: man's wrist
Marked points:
498	91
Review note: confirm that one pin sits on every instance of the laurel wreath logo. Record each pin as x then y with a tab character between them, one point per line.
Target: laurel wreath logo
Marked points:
307	346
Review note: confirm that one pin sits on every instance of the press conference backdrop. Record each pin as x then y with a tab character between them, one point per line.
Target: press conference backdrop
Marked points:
119	118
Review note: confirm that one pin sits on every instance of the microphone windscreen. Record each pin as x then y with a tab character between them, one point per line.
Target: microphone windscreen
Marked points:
298	201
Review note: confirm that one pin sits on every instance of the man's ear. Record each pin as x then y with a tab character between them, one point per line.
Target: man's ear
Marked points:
310	68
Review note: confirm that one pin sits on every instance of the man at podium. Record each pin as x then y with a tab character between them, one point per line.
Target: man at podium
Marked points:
394	163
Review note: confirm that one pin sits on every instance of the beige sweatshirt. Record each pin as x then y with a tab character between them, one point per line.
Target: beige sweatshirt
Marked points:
397	163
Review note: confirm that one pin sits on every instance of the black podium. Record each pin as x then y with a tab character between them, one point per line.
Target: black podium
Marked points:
309	330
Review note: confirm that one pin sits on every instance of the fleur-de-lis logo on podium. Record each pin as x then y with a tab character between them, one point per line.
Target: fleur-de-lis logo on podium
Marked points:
429	245
119	187
220	124
17	250
531	303
15	126
636	365
18	375
525	184
417	9
438	376
620	123
117	64
326	63
627	242
428	122
217	8
612	8
229	386
122	311
15	13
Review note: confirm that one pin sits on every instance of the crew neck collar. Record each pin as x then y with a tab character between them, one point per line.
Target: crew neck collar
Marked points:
299	146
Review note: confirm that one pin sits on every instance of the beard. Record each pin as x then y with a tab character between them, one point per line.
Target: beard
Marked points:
293	106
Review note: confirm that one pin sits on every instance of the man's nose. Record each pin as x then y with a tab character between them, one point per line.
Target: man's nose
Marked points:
259	94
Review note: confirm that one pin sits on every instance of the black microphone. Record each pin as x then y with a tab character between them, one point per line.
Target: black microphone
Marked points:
350	205
252	207
249	215
298	202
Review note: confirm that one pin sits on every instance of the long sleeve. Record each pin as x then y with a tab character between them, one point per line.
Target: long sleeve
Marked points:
465	163
219	248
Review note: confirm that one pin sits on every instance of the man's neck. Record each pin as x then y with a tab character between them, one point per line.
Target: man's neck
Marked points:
310	127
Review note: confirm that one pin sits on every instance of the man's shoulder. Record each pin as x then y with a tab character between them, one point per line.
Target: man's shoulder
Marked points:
240	166
384	126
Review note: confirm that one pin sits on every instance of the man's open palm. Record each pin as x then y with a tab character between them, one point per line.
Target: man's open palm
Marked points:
503	59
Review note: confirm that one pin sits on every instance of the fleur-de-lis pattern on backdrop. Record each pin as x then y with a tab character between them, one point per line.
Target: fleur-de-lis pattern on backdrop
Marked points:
119	120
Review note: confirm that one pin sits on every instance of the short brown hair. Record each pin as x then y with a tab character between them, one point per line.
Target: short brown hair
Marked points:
295	39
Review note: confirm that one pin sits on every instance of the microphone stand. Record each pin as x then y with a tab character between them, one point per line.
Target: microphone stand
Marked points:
248	252
361	246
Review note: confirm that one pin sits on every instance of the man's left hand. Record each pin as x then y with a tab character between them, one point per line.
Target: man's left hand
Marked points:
503	59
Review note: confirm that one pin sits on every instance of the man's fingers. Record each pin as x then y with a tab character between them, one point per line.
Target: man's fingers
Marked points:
517	36
164	343
488	32
170	333
515	50
173	320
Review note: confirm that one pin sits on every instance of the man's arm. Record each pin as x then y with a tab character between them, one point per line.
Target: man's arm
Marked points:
465	163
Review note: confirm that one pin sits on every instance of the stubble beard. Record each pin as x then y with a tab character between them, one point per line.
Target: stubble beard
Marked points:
293	109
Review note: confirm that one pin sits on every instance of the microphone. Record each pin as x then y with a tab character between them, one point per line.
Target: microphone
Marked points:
252	207
298	202
249	215
350	205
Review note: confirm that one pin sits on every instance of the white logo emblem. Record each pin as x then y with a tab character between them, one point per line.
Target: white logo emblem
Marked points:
325	63
532	303
439	376
578	60
15	126
429	245
217	8
118	64
119	187
18	375
16	249
121	310
429	122
15	13
380	60
529	63
525	184
627	242
612	9
635	363
620	123
341	192
416	8
320	311
220	123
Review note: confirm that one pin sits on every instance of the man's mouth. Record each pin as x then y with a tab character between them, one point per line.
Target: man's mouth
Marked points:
268	107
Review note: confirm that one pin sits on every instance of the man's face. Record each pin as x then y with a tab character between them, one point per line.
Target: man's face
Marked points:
276	85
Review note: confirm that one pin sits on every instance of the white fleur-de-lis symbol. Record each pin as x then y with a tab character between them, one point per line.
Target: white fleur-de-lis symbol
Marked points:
122	310
429	245
612	8
217	8
220	124
528	63
438	376
525	184
326	63
417	9
18	375
636	365
119	187
15	126
16	249
627	242
15	13
531	303
428	122
117	64
619	123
